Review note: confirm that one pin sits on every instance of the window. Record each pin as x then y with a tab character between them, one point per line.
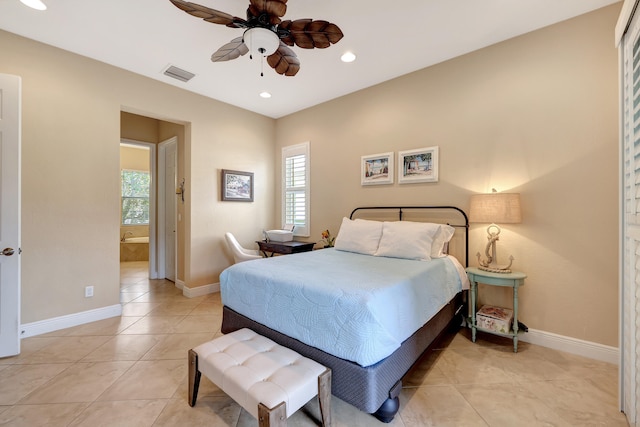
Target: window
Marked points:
135	197
295	188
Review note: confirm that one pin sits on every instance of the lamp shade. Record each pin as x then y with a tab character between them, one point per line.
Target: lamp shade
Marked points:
261	41
498	208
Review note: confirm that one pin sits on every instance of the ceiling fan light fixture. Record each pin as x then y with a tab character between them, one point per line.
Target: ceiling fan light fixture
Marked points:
34	4
261	41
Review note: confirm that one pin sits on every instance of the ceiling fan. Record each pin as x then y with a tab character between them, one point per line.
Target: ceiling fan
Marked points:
266	34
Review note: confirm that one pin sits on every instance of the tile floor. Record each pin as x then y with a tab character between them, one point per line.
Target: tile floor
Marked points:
132	371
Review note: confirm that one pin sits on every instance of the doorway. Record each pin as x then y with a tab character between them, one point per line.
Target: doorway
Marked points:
149	207
167	210
138	204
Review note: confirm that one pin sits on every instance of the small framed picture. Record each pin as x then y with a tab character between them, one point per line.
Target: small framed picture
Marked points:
377	169
419	165
237	186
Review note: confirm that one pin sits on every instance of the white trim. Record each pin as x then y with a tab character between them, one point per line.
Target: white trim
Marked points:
201	290
624	19
56	323
623	328
571	345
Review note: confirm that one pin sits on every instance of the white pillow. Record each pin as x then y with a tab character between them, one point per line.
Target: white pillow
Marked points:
360	236
444	234
406	239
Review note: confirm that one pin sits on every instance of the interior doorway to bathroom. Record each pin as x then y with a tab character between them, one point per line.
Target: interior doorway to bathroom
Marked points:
148	205
138	203
167	208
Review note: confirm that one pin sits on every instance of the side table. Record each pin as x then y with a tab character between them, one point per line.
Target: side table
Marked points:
511	280
283	248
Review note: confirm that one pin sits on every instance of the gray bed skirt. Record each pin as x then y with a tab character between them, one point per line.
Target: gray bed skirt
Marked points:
373	389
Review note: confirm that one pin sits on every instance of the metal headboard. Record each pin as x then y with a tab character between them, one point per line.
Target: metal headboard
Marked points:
401	210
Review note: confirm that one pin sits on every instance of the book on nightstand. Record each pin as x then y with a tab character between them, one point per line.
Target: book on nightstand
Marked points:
495	319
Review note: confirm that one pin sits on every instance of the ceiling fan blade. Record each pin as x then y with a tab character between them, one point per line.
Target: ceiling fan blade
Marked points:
309	34
275	9
210	15
231	50
284	61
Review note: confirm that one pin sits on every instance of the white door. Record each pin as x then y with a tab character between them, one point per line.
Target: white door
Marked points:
10	125
167	209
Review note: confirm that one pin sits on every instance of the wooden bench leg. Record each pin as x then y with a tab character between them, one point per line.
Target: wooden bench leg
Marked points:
324	397
274	417
194	377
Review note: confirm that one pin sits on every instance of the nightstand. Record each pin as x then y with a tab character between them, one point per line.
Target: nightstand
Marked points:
509	280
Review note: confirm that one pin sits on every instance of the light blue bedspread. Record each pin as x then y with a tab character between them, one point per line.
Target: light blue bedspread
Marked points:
356	307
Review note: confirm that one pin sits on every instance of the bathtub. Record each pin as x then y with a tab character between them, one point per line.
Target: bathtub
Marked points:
134	249
144	239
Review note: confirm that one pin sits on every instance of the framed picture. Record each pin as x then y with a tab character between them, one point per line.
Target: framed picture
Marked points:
377	169
419	165
237	186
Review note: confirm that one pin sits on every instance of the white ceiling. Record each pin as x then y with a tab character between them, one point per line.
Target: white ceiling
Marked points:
389	38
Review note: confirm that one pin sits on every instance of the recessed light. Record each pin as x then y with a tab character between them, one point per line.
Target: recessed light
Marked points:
348	57
34	4
265	94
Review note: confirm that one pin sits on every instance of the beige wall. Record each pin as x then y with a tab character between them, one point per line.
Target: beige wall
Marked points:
537	115
134	159
70	181
139	128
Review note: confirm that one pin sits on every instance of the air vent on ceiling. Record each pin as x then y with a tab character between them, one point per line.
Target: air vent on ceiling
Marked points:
178	73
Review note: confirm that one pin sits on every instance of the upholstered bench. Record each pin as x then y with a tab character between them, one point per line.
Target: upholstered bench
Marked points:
268	380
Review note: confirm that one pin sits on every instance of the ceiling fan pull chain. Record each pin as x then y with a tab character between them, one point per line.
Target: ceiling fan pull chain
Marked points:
262	51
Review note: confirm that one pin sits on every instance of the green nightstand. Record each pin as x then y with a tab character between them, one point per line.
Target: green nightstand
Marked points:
511	280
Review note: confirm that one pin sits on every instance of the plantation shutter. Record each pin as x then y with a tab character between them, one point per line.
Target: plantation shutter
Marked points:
295	182
630	263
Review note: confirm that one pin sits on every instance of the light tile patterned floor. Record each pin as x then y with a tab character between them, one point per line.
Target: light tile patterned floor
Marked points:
132	371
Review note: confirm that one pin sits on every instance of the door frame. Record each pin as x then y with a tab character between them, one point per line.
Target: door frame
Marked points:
153	268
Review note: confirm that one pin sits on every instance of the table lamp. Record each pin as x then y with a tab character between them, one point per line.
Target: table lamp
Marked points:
500	208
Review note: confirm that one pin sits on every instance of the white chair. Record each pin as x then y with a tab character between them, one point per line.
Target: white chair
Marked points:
239	253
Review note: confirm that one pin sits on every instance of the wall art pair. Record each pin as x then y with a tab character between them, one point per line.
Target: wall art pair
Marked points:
419	165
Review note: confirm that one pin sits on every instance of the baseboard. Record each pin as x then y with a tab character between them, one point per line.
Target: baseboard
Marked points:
545	339
588	349
179	284
56	323
201	290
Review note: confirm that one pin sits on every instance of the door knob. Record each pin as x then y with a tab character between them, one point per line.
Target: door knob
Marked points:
7	252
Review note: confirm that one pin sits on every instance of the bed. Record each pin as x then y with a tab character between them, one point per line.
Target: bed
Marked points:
367	308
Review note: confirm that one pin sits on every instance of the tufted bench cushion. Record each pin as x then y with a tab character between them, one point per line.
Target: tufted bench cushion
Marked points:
258	373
